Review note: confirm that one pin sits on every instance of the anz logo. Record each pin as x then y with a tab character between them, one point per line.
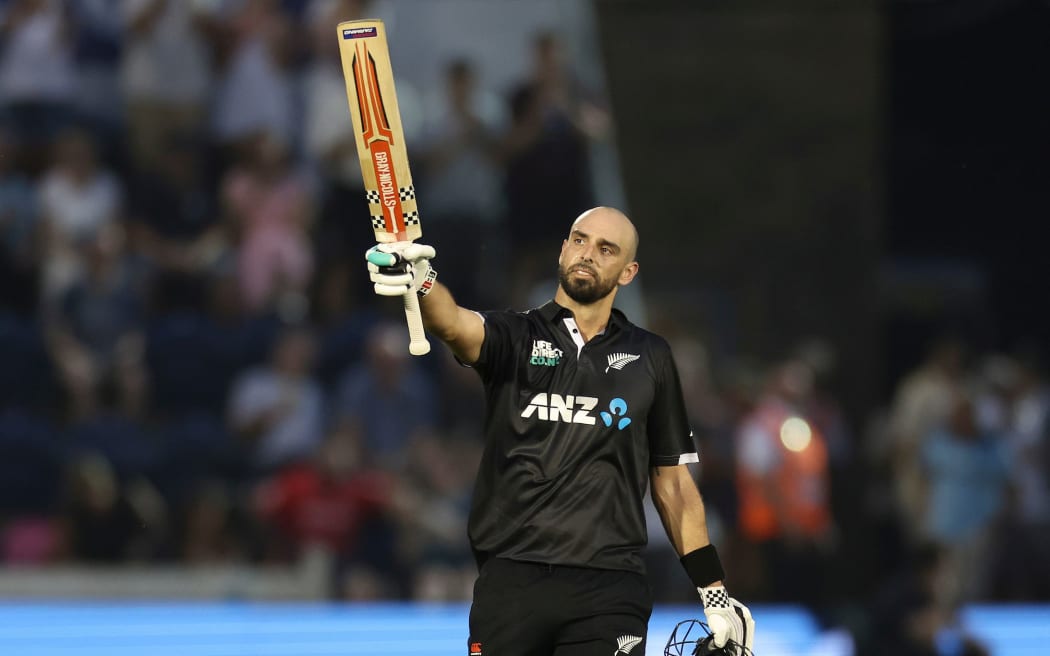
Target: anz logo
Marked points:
572	409
556	407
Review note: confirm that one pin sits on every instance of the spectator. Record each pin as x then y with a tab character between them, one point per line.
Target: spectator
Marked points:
209	532
344	325
175	220
107	521
96	337
241	340
461	189
921	403
255	92
18	231
546	152
166	73
386	400
78	199
823	407
37	76
847	480
336	503
277	408
1025	572
782	482
442	475
967	471
993	385
269	209
563	95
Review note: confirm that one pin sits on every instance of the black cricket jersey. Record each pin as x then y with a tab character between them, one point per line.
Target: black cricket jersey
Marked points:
571	432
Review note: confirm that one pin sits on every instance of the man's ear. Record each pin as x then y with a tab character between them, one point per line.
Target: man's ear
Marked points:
628	273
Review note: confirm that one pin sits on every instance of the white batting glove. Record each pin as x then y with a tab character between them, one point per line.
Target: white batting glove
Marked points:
729	620
399	267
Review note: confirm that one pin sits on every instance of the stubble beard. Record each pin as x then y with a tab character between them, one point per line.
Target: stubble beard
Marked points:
584	291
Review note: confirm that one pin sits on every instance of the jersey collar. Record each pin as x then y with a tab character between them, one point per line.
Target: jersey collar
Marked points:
553	312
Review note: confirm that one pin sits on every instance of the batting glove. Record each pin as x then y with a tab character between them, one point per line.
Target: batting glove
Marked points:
400	267
729	620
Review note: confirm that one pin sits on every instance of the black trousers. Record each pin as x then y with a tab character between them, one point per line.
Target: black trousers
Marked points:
530	609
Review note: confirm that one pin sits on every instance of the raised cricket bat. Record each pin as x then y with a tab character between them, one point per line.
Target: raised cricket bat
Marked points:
381	147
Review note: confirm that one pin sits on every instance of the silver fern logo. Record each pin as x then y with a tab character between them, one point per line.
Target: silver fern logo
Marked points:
618	361
626	643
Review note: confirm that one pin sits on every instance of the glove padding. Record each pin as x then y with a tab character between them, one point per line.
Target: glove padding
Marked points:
729	620
400	267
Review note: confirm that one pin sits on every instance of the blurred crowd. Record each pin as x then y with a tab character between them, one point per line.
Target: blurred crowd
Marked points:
194	369
888	525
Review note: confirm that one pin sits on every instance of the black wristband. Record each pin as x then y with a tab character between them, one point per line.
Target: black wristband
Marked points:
703	566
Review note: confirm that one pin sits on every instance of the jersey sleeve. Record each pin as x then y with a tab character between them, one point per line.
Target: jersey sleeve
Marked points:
670	439
503	330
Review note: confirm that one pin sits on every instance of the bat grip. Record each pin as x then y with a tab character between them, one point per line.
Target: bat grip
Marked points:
418	344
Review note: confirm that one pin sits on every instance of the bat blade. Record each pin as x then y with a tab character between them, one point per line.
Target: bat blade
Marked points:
372	99
380	140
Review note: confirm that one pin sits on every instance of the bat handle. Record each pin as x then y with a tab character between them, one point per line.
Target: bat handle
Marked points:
418	344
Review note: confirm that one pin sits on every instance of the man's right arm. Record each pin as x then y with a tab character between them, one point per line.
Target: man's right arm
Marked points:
461	329
405	266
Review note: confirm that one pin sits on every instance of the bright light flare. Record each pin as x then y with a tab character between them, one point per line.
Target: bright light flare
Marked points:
795	434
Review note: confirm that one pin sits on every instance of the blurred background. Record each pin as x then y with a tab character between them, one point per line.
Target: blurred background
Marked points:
201	399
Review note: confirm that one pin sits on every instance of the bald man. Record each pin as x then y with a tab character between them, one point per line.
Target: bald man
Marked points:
584	412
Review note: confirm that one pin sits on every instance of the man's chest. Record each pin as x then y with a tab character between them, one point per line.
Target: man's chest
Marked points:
603	383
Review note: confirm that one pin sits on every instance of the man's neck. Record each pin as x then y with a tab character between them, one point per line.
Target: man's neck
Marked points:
591	318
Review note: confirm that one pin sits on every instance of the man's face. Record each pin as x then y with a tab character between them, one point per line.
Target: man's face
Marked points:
596	258
583	284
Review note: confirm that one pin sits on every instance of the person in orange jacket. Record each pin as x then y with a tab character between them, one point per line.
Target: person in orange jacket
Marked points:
783	485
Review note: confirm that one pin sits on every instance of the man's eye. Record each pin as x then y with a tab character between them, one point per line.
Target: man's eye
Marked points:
606	250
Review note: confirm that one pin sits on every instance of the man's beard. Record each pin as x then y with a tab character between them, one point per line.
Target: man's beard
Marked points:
584	290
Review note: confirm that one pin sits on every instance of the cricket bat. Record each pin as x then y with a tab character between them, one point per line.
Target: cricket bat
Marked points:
381	147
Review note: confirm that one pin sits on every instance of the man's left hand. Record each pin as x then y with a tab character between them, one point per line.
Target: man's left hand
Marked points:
729	620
